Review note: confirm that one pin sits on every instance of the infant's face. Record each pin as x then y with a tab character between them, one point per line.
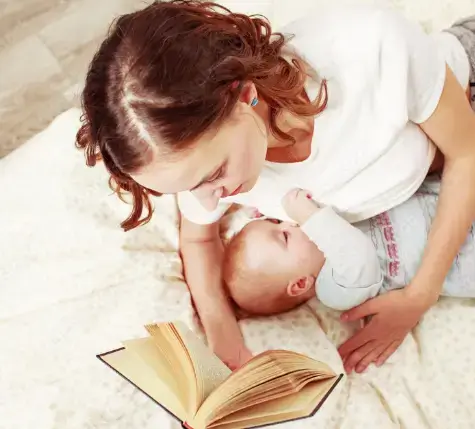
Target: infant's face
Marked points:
281	250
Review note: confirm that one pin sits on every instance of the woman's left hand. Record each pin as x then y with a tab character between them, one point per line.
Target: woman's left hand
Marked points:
393	315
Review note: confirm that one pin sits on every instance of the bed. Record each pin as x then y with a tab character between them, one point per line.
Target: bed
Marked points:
72	285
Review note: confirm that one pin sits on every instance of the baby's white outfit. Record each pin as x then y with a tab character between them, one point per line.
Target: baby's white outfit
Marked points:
383	252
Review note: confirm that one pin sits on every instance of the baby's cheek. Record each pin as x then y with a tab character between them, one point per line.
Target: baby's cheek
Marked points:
310	255
300	254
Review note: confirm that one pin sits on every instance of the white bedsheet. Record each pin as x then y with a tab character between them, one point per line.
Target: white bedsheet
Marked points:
72	285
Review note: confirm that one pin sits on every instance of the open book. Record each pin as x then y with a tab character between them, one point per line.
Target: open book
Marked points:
175	369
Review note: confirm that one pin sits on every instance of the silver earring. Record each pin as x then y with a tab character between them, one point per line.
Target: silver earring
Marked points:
254	102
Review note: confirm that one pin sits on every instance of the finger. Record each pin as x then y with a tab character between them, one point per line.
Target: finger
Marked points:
372	356
358	340
388	352
357	355
292	194
300	193
368	308
249	211
256	214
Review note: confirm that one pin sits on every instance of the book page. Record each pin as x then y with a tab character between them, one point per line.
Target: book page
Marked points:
299	405
265	377
173	351
145	349
131	367
210	371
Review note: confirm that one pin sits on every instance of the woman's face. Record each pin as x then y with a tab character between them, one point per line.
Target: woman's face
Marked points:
221	163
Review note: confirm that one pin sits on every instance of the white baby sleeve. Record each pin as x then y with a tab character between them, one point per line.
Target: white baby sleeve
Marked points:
351	273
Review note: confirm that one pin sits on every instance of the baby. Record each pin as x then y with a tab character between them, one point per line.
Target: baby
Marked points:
272	266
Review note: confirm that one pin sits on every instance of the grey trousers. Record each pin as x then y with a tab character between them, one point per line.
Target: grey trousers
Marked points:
464	30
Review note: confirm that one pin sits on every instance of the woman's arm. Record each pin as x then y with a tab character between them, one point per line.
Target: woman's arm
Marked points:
452	128
202	252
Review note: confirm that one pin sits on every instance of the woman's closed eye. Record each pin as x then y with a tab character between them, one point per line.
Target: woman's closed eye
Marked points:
218	174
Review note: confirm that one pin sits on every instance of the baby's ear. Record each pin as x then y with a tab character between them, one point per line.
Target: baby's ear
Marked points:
300	286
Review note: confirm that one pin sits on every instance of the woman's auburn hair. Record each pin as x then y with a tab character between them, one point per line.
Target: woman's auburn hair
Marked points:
167	74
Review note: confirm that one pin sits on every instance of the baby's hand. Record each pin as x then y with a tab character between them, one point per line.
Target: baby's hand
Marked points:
299	205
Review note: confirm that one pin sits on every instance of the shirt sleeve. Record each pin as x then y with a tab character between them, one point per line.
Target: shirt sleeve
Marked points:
192	210
412	67
351	273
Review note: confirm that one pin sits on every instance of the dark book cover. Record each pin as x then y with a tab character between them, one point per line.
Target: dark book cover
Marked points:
186	426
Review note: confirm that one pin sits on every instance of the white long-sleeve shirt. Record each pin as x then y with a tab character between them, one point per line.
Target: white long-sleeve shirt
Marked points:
384	252
351	273
384	76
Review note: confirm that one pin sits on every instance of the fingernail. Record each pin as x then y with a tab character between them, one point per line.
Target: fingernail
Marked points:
343	317
360	369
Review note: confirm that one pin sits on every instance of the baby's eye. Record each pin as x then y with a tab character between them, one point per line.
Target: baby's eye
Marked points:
286	236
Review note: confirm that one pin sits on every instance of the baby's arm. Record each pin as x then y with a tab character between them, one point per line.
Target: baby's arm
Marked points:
351	273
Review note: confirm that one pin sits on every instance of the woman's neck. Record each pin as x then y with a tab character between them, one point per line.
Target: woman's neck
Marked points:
286	151
296	126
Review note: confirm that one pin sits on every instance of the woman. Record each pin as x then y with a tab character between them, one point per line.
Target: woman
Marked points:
358	107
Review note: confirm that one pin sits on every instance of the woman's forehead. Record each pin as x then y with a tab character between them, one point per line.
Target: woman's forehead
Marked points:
182	171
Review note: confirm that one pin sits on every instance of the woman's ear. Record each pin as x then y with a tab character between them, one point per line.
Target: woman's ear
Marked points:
300	286
248	93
